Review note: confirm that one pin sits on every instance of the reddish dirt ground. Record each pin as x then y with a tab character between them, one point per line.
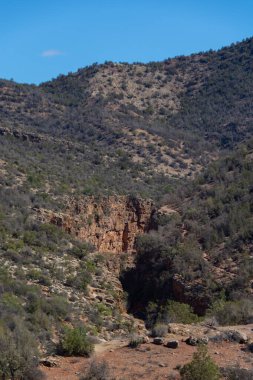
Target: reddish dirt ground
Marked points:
150	361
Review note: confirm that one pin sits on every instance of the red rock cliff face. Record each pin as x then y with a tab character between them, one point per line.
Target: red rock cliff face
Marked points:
111	223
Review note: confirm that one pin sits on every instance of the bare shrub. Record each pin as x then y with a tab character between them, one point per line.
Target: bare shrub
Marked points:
97	370
160	329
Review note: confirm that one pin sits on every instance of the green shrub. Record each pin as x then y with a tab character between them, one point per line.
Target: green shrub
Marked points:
30	238
34	180
232	312
80	281
103	310
178	312
40	320
33	274
81	250
75	342
135	341
56	306
201	367
11	302
44	280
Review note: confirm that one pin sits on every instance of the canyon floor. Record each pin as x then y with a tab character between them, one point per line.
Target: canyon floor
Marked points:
150	361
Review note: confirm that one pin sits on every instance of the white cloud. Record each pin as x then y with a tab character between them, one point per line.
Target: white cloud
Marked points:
51	53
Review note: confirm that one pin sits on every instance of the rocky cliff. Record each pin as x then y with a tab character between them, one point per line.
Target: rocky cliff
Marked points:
111	223
193	293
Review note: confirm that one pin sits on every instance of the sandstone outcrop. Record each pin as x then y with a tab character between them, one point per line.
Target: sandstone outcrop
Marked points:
110	223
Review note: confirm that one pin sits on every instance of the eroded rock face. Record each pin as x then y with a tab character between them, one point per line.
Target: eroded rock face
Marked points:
111	223
193	293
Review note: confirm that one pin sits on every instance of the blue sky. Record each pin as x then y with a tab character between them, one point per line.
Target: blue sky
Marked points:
40	39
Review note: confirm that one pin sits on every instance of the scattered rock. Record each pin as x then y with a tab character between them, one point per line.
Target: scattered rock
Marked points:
172	344
178	329
250	347
239	337
158	341
49	362
145	339
203	340
236	336
96	340
192	341
109	300
141	349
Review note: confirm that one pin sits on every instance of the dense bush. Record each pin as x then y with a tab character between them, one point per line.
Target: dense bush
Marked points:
177	312
201	367
18	353
232	312
75	342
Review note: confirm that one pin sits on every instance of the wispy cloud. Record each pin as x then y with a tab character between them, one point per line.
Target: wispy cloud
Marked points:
51	53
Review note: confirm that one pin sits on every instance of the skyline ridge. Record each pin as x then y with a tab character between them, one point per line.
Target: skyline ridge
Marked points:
40	40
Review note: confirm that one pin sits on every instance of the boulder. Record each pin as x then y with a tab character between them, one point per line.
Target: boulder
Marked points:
158	340
250	347
239	336
172	344
49	362
192	341
145	339
234	335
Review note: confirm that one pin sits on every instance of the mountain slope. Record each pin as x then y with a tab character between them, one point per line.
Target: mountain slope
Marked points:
149	123
177	132
202	251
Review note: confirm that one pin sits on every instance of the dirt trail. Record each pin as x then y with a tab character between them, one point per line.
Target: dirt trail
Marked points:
152	362
111	345
69	368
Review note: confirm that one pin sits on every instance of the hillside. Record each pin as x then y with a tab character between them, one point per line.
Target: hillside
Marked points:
125	189
201	253
145	124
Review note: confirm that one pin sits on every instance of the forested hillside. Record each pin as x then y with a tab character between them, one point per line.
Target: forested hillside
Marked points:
202	251
146	124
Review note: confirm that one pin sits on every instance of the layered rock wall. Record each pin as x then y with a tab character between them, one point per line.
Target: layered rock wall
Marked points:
111	223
